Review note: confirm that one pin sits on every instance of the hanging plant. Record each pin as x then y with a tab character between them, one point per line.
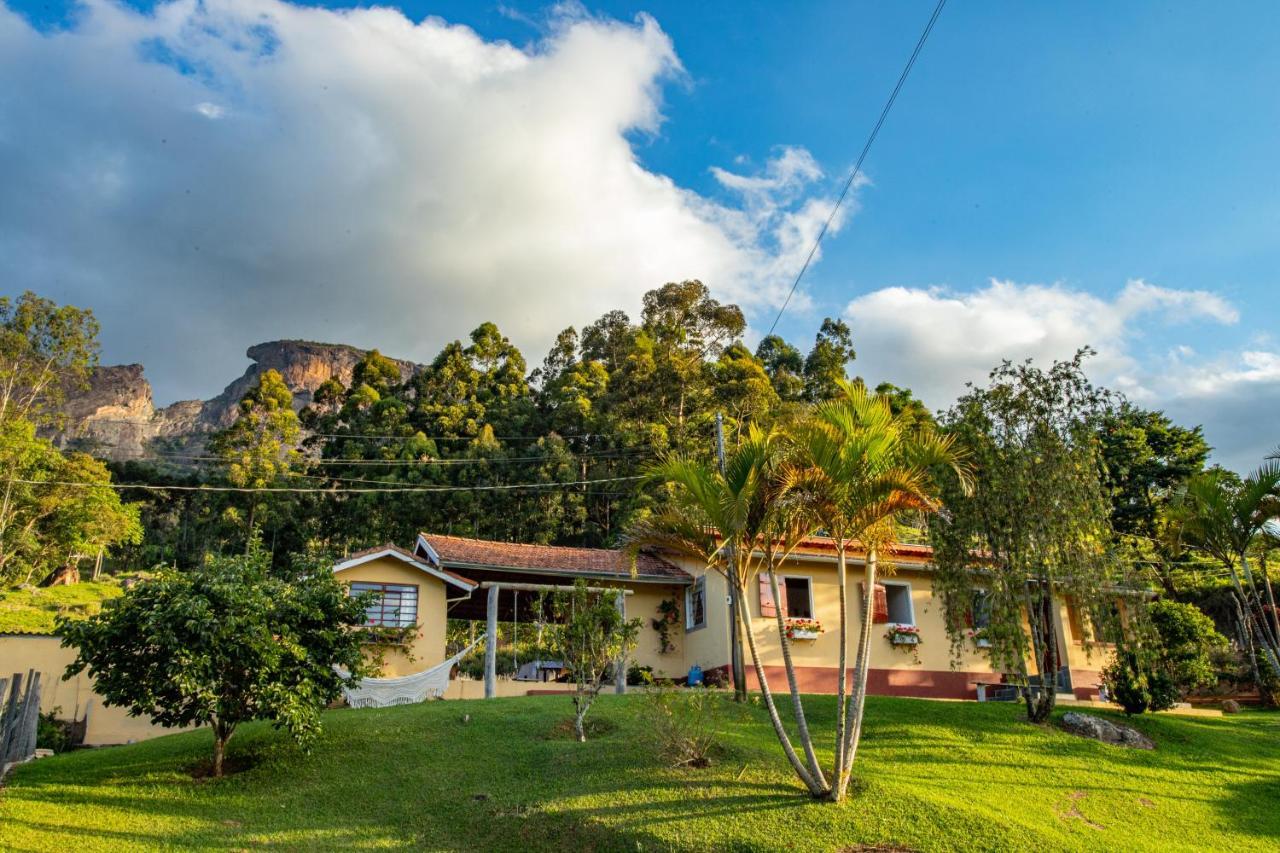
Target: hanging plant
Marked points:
668	617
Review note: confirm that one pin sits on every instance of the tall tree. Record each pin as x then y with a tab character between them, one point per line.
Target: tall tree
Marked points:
860	469
1035	529
261	446
54	508
785	366
824	367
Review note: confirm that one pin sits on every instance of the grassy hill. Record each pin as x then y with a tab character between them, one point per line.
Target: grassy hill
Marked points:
32	610
932	776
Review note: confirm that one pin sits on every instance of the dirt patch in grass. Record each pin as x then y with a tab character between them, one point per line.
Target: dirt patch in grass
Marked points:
563	730
1074	813
202	771
877	848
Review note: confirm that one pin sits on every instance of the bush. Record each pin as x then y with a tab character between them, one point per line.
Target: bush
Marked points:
638	675
687	723
1178	659
1137	687
53	733
715	678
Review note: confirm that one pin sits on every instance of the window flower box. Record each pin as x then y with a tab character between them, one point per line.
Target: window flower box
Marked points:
903	635
803	629
979	638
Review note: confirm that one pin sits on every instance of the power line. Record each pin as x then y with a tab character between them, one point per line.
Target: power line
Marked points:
92	421
335	490
857	168
164	456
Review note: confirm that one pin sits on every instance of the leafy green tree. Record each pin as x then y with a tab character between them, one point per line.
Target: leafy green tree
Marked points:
1226	517
1148	459
824	367
46	351
742	388
591	636
54	508
57	508
261	446
785	366
225	644
1034	530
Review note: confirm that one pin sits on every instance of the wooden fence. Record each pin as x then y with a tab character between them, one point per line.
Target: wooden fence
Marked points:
19	717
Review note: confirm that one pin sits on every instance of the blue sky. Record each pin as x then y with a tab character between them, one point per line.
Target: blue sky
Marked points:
1065	149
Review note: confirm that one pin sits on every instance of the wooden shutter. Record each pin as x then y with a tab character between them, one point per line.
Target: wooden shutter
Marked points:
881	604
768	607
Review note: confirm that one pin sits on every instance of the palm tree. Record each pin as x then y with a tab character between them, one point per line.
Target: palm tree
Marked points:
1225	518
722	519
862	469
853	468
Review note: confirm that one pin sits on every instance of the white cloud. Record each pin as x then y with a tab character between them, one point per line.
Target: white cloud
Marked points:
936	339
209	175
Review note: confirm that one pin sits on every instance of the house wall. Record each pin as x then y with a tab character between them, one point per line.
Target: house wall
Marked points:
643	604
923	670
75	698
708	647
427	648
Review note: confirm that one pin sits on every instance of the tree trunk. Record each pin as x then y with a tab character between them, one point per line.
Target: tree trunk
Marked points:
221	734
842	676
857	707
797	707
578	728
796	764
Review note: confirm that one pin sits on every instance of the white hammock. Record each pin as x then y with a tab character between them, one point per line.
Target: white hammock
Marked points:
407	689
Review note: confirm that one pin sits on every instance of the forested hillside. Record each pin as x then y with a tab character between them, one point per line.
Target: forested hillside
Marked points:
550	453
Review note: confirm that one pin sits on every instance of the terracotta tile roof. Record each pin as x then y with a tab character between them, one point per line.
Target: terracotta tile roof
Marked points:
456	550
823	545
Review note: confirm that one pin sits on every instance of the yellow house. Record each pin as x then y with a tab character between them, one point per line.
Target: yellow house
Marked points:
457	577
410	594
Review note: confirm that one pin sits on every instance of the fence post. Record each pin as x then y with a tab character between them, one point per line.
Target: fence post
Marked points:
9	722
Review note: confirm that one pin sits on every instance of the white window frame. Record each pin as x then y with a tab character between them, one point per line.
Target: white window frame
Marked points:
813	606
911	603
699	585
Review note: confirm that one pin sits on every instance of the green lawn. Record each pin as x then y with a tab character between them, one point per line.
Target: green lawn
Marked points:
932	776
32	610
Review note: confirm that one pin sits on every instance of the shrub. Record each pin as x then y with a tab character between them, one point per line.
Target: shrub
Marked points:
715	678
1177	660
53	733
638	675
686	722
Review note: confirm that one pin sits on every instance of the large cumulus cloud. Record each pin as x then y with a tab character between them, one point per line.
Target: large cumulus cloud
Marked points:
208	175
937	339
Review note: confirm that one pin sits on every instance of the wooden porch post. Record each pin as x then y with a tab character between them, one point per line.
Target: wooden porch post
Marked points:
491	646
620	668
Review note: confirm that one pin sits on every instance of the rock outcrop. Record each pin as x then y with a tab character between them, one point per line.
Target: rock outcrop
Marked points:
116	416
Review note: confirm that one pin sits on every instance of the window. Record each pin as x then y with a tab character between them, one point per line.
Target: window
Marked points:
395	605
799	597
980	614
898	599
695	605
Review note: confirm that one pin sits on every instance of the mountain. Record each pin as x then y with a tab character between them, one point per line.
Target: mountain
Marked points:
116	416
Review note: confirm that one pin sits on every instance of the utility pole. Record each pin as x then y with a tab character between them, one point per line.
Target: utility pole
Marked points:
736	662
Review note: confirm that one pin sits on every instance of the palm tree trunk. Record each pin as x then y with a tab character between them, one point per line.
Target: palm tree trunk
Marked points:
856	708
797	707
842	675
814	788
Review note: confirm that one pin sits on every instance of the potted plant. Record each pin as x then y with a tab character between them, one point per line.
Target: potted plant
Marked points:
803	629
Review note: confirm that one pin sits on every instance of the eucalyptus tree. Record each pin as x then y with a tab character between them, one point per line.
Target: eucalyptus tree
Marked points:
1225	518
858	468
1034	529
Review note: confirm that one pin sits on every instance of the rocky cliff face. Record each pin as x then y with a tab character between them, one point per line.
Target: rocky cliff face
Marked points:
117	418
